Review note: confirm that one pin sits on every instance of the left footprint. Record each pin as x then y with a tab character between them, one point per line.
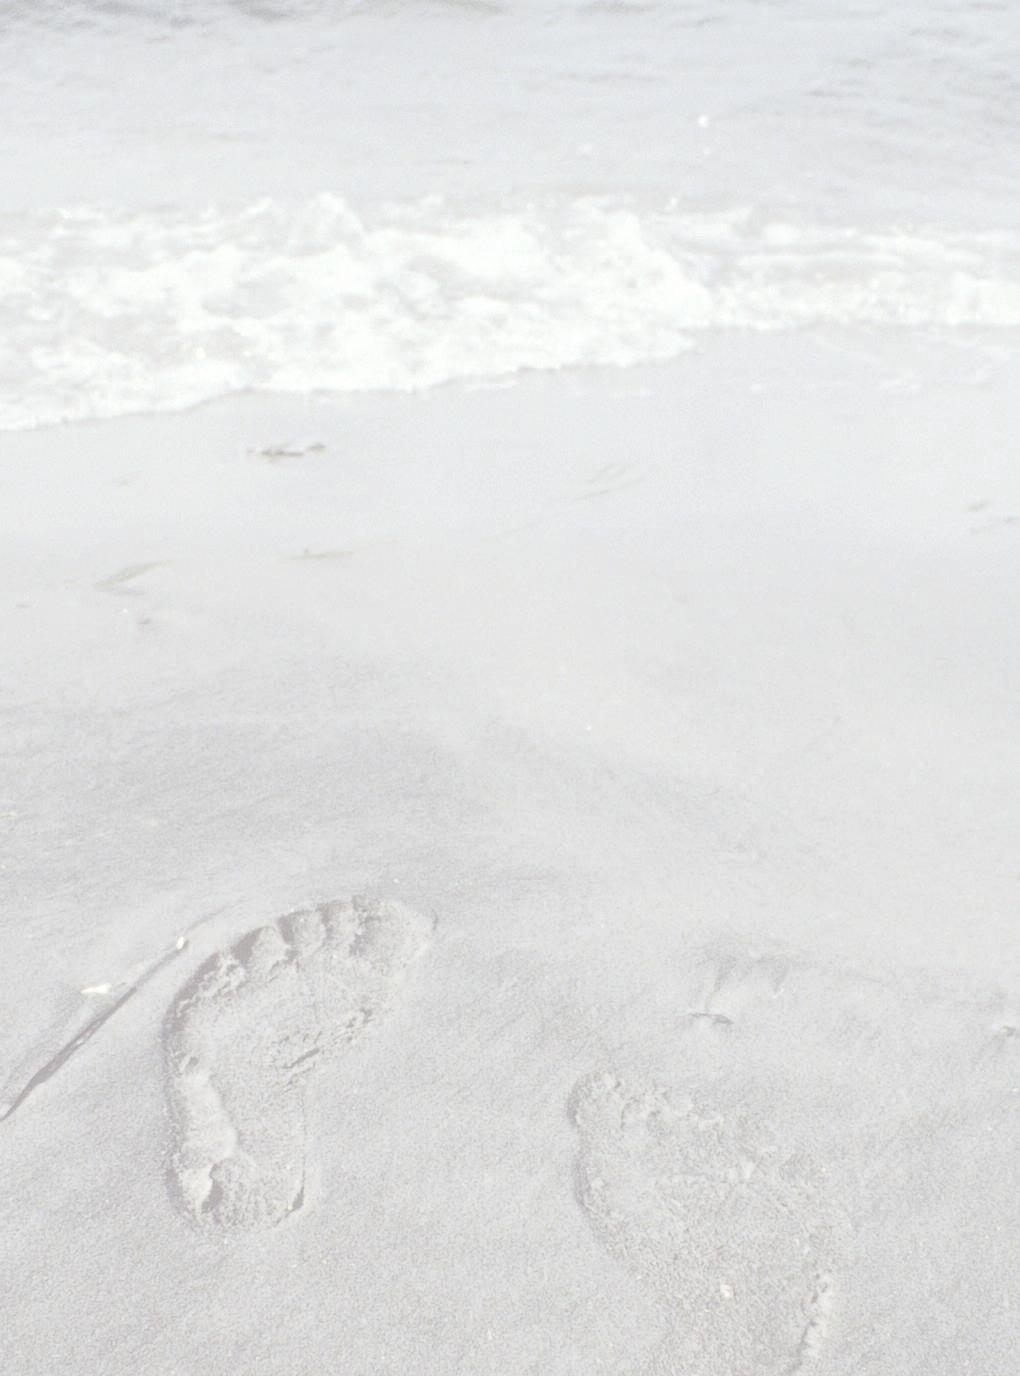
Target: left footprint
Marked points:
242	1037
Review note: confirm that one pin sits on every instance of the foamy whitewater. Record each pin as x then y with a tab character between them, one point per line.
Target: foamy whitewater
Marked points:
509	769
113	313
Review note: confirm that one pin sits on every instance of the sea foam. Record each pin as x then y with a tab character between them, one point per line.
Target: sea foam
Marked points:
106	312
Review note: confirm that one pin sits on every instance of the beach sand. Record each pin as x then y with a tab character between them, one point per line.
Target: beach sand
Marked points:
663	723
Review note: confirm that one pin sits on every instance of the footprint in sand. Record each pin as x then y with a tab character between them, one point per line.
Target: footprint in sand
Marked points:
243	1037
731	1231
829	1175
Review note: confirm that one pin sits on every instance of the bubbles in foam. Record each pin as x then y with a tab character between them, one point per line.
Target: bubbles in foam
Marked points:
107	312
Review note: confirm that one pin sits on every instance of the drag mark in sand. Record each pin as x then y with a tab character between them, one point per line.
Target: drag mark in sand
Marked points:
729	1228
608	480
243	1036
61	1057
128	574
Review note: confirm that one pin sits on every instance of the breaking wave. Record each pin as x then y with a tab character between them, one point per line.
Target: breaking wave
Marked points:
103	313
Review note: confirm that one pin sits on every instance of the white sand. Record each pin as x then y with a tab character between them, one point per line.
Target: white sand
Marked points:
683	703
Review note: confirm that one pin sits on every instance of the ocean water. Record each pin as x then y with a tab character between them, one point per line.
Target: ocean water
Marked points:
203	198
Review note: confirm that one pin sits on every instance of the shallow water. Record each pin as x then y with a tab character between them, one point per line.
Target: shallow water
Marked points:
204	198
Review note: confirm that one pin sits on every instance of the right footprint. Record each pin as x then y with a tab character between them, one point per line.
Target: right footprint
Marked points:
242	1037
732	1232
